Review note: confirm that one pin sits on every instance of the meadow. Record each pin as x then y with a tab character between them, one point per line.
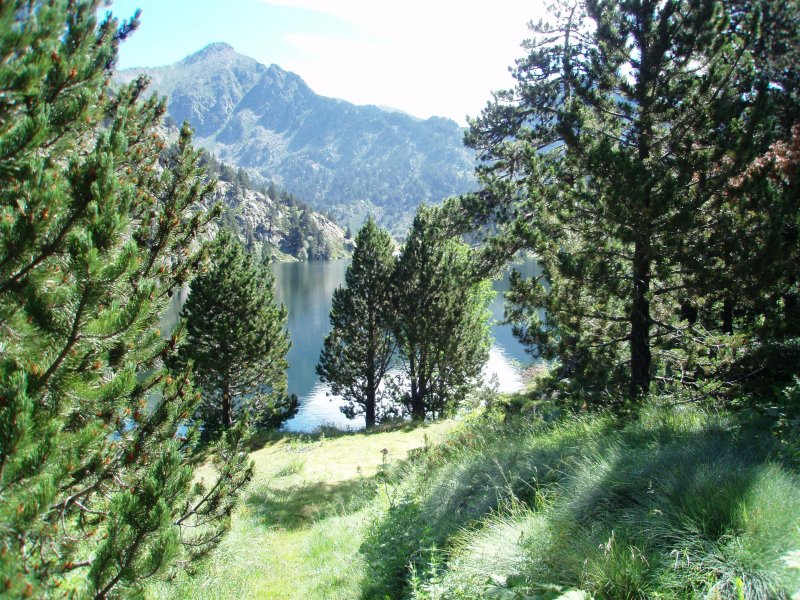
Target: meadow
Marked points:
679	502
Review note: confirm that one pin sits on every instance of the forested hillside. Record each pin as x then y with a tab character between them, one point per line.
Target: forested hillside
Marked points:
271	222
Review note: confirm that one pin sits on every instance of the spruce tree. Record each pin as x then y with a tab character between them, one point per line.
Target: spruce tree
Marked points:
237	341
442	317
97	230
358	350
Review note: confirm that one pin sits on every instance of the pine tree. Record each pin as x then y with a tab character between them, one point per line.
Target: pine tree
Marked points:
610	157
441	326
97	230
237	341
744	262
295	241
358	350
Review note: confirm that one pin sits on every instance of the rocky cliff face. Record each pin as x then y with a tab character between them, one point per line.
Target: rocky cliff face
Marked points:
276	230
272	222
342	158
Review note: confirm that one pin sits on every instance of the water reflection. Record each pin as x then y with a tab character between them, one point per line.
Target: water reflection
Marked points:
504	339
306	289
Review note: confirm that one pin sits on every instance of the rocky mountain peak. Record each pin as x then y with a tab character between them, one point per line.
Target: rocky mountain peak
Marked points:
215	49
346	159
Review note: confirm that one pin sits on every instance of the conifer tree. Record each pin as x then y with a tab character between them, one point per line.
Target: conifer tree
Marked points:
744	262
442	320
358	350
96	232
608	159
237	340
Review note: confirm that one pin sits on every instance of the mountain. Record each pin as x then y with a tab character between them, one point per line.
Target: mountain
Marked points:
271	222
345	159
278	231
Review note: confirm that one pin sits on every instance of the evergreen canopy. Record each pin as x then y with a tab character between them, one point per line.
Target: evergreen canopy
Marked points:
626	158
237	341
442	317
97	230
358	350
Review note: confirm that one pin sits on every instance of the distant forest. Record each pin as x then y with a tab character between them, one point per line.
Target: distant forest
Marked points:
303	238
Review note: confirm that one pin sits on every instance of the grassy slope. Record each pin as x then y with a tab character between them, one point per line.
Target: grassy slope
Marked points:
299	527
677	504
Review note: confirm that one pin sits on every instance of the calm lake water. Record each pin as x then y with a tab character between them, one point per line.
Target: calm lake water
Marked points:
306	289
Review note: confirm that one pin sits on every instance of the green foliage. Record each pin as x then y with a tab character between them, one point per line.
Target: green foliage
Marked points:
427	305
472	474
279	221
97	231
658	197
442	319
236	340
298	531
207	512
304	238
678	504
358	350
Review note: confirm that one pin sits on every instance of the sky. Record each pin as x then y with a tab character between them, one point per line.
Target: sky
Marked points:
425	57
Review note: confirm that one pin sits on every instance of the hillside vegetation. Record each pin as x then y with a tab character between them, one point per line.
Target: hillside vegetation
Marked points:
648	156
273	223
303	518
677	503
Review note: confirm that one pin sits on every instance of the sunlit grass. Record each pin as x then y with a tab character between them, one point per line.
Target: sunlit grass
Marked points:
300	522
679	503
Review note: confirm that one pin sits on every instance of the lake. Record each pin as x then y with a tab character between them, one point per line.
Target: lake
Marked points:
306	289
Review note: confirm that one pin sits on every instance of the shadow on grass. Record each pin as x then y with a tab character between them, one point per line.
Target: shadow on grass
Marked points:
299	506
654	511
459	486
267	437
405	426
661	486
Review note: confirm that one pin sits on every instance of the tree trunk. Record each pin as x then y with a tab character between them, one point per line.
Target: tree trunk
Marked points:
688	312
727	316
227	416
417	400
418	389
369	406
641	358
791	317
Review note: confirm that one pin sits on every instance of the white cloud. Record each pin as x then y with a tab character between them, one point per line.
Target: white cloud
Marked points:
425	57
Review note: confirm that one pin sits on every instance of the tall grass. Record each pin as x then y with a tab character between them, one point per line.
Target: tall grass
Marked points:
678	504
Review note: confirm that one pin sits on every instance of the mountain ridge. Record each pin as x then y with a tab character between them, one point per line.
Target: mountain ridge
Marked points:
343	158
